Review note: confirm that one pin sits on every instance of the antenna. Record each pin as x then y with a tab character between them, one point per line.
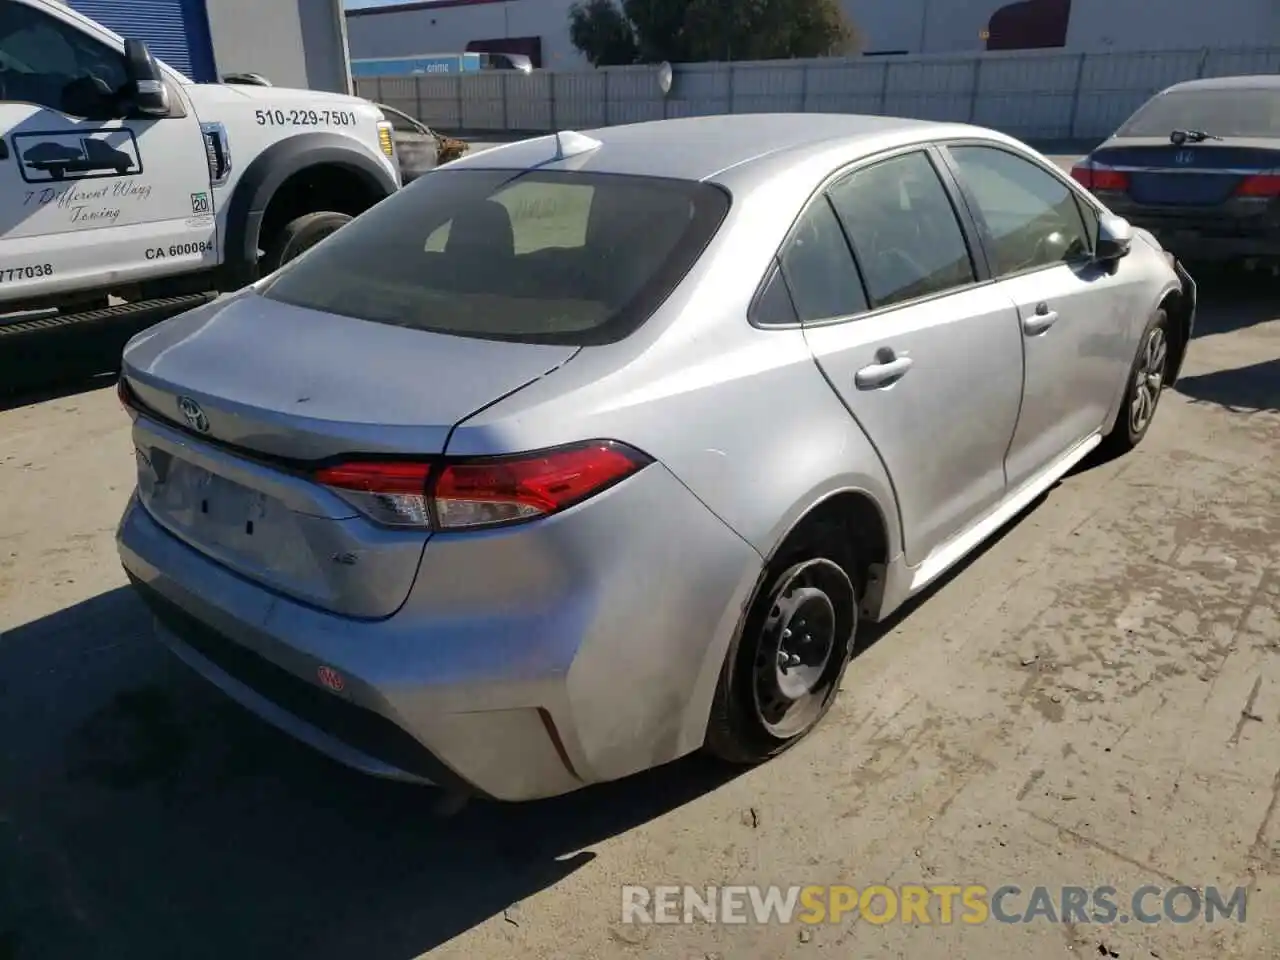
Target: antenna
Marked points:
570	143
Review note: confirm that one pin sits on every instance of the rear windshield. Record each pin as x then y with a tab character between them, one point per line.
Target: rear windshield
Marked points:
533	256
1222	112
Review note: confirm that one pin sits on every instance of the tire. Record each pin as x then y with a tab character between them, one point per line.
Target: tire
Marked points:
1146	380
298	236
756	712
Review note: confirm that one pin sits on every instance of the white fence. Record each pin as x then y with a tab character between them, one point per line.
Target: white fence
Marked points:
1043	95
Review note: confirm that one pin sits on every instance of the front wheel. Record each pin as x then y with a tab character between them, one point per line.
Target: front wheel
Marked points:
300	235
783	670
1146	382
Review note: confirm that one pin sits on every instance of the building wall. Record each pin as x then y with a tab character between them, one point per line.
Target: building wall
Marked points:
293	43
911	26
447	26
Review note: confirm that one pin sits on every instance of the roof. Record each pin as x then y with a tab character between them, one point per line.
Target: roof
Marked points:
699	148
1261	81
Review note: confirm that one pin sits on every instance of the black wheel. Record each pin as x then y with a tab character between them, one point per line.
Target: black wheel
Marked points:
1146	382
783	670
298	236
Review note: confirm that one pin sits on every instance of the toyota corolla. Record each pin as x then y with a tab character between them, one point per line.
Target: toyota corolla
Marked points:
587	452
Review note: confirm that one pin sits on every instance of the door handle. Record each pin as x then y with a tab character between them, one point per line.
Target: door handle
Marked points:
1041	320
882	374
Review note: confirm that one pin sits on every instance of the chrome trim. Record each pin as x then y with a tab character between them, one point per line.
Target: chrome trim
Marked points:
218	133
1228	171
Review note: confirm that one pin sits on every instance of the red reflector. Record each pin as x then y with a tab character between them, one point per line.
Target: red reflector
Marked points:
496	491
1082	174
1259	185
388	477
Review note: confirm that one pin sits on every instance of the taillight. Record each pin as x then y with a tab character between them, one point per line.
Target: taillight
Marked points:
125	395
484	492
1259	185
1095	178
390	493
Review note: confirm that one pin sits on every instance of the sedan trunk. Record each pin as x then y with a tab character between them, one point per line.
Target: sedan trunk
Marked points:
239	399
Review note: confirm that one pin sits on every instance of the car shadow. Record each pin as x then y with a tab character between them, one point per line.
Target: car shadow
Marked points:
1250	389
1231	299
56	388
144	815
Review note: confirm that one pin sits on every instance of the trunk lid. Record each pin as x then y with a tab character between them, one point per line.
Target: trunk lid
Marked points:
241	395
1190	175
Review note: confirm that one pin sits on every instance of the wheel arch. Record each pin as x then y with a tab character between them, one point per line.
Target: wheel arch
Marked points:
1179	304
866	522
271	170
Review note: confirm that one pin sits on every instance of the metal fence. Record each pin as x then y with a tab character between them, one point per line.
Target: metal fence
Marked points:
1043	95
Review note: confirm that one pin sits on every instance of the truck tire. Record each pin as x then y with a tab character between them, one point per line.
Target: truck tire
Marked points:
299	235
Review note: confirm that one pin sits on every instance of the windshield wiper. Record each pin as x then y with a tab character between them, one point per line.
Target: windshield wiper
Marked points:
1179	137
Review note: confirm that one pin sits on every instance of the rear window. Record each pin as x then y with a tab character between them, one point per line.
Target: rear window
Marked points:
533	256
1224	112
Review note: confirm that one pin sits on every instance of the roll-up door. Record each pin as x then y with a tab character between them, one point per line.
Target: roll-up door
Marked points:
176	31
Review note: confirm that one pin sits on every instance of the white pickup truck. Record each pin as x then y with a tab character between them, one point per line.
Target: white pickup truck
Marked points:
129	193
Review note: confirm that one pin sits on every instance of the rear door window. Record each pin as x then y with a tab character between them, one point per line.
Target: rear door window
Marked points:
536	256
819	268
904	230
1033	219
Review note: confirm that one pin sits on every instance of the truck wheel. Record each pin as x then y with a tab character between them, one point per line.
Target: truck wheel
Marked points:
298	236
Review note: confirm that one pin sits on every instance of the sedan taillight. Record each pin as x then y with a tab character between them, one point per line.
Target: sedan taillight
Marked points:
1259	185
460	494
1093	177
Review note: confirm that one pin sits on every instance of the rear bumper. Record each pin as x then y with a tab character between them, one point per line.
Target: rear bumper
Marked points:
526	663
1207	238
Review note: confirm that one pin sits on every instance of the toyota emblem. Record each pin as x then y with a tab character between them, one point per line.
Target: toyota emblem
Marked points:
194	416
330	678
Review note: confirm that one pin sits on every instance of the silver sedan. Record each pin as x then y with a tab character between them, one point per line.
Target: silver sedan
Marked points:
587	452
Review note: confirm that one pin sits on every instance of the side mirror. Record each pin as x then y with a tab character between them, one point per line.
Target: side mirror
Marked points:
150	95
1115	237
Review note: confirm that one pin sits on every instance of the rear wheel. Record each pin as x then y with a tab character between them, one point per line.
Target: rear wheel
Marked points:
783	670
299	235
1146	382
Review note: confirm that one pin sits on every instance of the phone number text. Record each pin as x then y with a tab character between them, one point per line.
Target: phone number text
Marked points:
305	118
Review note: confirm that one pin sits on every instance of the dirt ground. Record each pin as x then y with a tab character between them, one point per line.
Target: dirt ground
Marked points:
1094	699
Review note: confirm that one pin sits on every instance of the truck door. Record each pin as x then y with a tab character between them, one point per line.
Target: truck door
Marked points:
87	197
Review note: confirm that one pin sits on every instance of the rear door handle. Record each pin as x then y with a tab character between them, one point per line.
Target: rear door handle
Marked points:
1040	321
882	374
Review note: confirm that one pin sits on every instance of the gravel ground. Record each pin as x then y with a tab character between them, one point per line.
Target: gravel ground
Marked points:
1094	699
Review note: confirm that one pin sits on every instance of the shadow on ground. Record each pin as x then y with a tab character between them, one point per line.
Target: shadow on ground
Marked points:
143	815
1230	299
1250	389
56	389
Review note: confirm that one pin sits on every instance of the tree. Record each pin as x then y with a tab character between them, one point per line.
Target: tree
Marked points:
602	33
688	31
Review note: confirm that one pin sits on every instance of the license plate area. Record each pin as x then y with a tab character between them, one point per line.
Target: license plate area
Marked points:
211	511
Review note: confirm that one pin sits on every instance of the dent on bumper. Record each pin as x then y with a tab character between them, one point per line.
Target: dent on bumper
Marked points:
526	662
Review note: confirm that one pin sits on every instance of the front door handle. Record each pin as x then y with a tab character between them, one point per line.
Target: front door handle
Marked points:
1041	320
882	374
